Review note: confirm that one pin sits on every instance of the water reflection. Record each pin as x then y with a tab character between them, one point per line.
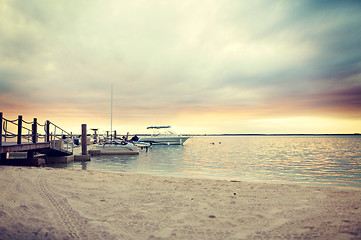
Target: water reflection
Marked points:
84	165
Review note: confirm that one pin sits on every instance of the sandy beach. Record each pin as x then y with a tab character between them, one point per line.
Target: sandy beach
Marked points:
47	203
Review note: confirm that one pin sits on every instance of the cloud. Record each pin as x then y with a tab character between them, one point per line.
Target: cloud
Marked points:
171	58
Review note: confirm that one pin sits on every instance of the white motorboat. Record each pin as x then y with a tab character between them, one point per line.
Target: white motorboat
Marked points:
122	145
117	145
165	137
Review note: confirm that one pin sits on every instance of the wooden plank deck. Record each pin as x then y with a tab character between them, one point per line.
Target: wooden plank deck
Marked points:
14	147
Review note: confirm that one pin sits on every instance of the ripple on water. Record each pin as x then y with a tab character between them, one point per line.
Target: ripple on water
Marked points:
326	160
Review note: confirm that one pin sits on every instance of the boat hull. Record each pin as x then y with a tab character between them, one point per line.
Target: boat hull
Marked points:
164	140
106	147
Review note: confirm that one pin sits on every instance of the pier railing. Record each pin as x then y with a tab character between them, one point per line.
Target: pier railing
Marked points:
31	132
58	137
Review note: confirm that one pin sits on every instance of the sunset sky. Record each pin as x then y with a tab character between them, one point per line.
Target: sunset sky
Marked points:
212	66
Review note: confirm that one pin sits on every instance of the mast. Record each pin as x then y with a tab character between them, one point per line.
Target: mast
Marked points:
111	112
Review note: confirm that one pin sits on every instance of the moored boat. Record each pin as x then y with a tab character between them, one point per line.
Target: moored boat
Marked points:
165	137
117	145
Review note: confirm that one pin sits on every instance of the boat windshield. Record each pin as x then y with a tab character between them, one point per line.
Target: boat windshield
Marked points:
158	127
162	130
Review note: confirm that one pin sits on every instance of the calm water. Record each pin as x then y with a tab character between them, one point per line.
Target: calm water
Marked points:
312	160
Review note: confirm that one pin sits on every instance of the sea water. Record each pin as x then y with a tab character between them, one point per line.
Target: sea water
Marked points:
315	160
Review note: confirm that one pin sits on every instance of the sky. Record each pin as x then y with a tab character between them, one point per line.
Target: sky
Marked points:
212	66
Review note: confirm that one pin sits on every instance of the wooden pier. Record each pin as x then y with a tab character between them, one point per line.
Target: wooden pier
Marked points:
51	143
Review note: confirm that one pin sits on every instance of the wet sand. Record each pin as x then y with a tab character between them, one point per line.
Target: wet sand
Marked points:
46	203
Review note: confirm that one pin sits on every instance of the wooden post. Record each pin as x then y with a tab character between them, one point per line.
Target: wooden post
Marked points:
20	127
2	155
30	155
83	140
47	128
35	130
1	129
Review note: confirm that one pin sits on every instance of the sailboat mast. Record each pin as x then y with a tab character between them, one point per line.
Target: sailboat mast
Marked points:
111	112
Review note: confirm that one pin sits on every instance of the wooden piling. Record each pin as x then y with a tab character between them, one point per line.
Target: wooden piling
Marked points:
47	127
35	130
20	126
1	129
2	155
83	140
30	155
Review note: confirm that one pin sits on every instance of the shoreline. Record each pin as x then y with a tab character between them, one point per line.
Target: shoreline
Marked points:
309	184
54	203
